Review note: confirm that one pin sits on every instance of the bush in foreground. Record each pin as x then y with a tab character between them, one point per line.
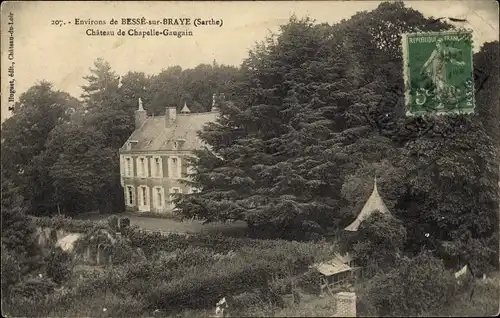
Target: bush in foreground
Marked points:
11	272
414	286
59	265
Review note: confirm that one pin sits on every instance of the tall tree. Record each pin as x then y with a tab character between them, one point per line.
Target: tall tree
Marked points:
82	167
18	231
110	122
102	83
195	87
103	101
251	175
135	85
319	103
39	110
165	90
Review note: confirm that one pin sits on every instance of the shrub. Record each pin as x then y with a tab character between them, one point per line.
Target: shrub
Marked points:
310	282
202	285
121	252
113	223
113	279
379	241
124	223
412	287
11	272
69	224
19	237
59	265
33	288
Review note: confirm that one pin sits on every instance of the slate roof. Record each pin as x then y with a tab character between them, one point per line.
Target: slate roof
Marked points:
374	203
155	135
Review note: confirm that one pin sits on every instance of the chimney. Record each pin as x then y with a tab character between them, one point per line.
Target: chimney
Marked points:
170	115
345	304
140	116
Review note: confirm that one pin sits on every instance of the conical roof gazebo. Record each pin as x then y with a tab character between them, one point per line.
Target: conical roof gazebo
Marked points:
374	203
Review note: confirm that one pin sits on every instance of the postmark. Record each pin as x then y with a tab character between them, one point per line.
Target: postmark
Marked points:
438	73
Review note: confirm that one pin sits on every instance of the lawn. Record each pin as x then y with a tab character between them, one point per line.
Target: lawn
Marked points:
170	225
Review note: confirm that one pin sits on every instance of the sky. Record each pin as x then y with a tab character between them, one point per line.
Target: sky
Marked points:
63	55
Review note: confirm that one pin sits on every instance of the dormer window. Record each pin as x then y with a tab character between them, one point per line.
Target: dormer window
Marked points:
175	145
130	144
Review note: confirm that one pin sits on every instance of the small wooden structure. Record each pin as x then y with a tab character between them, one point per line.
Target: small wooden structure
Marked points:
338	271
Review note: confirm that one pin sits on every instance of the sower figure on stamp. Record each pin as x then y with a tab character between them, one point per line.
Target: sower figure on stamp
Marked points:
435	68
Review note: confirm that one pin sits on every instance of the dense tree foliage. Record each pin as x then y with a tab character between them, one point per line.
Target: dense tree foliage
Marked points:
195	87
38	111
319	112
378	244
18	235
412	287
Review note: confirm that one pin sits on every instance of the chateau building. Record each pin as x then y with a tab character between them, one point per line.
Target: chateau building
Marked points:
153	161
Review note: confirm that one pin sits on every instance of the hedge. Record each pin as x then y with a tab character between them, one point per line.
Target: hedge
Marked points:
69	224
202	285
157	241
152	242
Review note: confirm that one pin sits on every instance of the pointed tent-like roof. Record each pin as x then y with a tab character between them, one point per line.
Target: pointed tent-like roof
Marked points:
374	203
185	109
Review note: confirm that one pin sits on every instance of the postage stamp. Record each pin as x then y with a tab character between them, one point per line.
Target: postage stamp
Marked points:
438	73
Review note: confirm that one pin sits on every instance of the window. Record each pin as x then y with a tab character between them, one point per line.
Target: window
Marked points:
129	195
144	196
174	167
175	145
142	167
128	167
159	197
143	201
156	167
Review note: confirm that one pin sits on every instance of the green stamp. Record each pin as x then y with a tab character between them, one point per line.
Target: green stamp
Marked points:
438	73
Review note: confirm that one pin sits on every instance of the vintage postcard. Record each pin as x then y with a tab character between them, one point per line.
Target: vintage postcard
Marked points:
250	158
